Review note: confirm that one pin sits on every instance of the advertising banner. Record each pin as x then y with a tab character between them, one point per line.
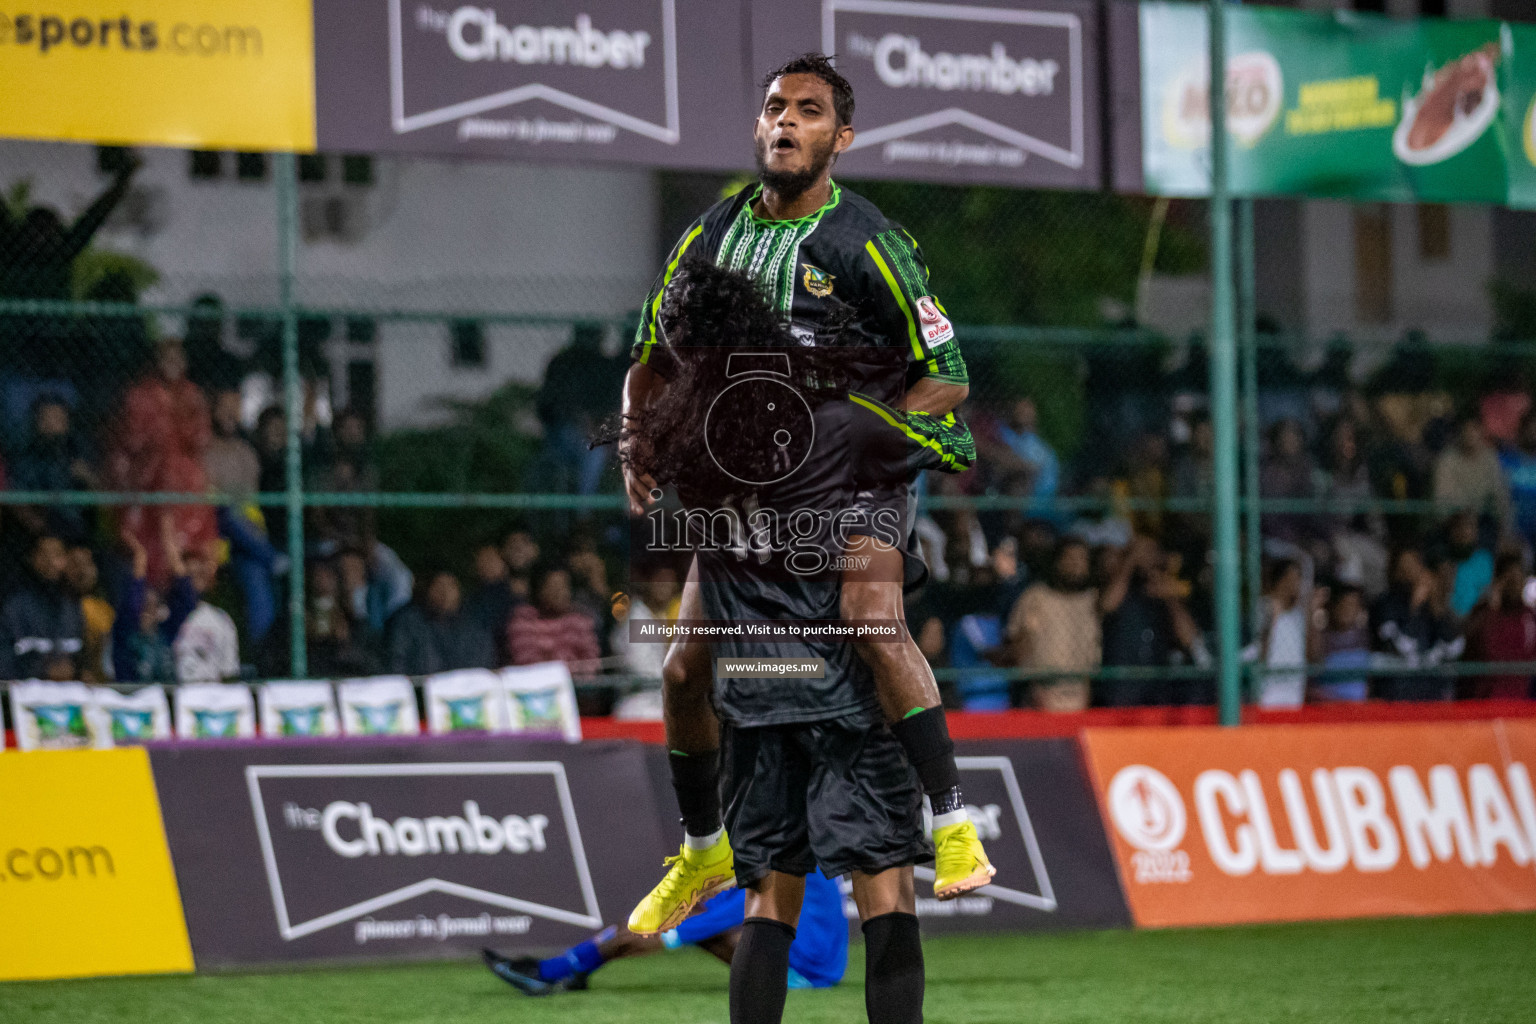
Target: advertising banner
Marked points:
655	82
1287	823
1520	115
53	716
1004	92
405	848
1338	104
238	74
86	885
74	716
215	711
467	700
298	708
1034	809
128	719
542	699
381	706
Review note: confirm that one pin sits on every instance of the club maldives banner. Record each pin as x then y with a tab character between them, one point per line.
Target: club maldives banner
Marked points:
1285	823
86	885
1002	92
1341	104
655	82
405	848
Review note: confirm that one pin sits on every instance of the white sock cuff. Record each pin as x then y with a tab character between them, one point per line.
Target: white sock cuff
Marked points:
952	818
703	842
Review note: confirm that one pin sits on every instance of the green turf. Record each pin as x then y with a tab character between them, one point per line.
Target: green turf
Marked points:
1473	970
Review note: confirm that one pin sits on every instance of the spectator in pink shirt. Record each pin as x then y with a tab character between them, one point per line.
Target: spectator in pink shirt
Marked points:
160	442
552	627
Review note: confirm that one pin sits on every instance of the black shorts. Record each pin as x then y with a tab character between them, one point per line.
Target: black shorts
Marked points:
836	794
899	500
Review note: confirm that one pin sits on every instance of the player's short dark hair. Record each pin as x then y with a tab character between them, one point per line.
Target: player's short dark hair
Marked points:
820	65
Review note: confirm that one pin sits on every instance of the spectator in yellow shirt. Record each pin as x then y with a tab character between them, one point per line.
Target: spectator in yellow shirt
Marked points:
84	581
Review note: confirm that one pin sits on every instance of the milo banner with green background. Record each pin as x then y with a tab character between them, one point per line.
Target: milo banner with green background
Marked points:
1340	104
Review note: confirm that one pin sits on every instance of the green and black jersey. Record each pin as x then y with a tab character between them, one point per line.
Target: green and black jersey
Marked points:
846	255
847	274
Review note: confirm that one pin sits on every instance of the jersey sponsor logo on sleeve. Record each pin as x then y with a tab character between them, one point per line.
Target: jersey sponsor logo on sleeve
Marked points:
937	330
817	281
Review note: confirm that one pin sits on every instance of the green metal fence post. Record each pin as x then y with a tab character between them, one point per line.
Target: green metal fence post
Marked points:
1223	370
293	405
1248	344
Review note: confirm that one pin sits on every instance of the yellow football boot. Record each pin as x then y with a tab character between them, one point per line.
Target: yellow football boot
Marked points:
693	876
959	862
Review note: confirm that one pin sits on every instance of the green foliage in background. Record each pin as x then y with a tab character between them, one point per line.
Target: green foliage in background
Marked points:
1008	256
96	270
1055	378
1514	312
18	198
483	446
1058	259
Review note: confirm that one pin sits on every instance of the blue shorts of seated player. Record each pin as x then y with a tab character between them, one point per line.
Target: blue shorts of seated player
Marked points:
818	956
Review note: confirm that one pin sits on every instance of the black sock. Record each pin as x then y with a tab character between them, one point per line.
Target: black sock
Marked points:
760	971
696	779
893	970
925	738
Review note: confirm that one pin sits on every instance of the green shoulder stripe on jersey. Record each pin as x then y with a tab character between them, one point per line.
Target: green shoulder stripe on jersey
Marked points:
949	439
666	279
901	298
902	257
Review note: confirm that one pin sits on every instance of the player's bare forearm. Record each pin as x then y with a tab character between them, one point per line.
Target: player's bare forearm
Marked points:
935	397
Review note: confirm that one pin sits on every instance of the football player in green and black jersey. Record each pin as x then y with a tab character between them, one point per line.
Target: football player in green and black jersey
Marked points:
820	255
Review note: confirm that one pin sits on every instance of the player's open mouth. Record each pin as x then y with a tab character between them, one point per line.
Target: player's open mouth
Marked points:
784	145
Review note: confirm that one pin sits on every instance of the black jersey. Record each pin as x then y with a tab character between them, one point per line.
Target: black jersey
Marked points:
848	274
844	258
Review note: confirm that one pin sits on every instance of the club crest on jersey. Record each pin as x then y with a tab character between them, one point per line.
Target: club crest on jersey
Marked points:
937	330
817	281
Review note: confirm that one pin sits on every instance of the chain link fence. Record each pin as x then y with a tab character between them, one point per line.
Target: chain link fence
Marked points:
356	401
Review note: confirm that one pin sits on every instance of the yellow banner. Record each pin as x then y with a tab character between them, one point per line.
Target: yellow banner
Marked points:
86	885
237	74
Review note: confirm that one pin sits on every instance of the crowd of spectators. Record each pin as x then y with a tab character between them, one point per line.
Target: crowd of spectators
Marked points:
190	593
1102	599
1396	539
